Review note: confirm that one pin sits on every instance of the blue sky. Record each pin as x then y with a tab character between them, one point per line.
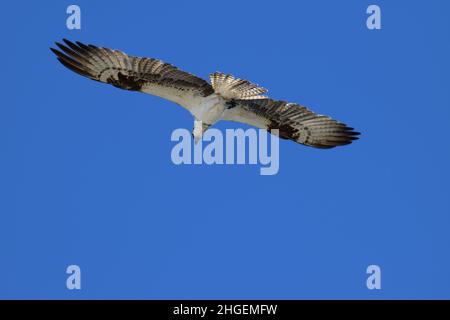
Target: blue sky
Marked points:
86	176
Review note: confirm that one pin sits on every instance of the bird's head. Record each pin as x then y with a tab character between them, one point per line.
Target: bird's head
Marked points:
197	131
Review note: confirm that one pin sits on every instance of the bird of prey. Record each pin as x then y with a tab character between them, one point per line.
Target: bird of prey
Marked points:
225	98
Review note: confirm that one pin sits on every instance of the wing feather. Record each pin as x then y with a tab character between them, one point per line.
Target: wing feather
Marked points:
293	122
128	72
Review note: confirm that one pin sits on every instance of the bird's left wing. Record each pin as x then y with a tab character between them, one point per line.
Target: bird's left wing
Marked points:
294	122
123	71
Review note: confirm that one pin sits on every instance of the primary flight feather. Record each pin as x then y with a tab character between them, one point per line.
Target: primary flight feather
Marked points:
226	98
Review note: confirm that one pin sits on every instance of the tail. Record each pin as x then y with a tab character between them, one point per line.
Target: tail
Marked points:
230	87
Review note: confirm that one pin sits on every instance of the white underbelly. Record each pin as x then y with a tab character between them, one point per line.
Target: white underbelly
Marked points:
209	110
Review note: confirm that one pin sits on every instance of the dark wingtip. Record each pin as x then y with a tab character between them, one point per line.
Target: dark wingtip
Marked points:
59	45
74	68
56	52
82	45
68	42
353	136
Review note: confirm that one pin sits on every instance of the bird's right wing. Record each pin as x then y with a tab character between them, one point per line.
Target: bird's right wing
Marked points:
123	71
294	122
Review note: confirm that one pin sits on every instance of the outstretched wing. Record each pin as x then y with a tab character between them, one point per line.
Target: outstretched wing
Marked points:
127	72
294	122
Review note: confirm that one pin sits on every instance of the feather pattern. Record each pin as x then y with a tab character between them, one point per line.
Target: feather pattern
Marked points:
226	98
230	87
127	72
294	122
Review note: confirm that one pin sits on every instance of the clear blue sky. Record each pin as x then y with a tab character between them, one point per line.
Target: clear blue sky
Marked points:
86	176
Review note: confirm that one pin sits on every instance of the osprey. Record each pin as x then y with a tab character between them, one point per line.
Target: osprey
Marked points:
225	98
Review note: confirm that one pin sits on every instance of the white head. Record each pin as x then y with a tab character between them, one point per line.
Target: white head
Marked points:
197	132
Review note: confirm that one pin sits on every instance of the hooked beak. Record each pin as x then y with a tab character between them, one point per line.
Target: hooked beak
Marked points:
196	138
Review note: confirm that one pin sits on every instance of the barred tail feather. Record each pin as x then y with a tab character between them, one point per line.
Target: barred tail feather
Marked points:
230	87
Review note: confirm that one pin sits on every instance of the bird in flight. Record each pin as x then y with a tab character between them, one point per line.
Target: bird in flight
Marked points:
225	98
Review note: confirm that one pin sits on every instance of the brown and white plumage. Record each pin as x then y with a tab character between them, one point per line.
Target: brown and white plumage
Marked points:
147	75
226	98
293	121
230	87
